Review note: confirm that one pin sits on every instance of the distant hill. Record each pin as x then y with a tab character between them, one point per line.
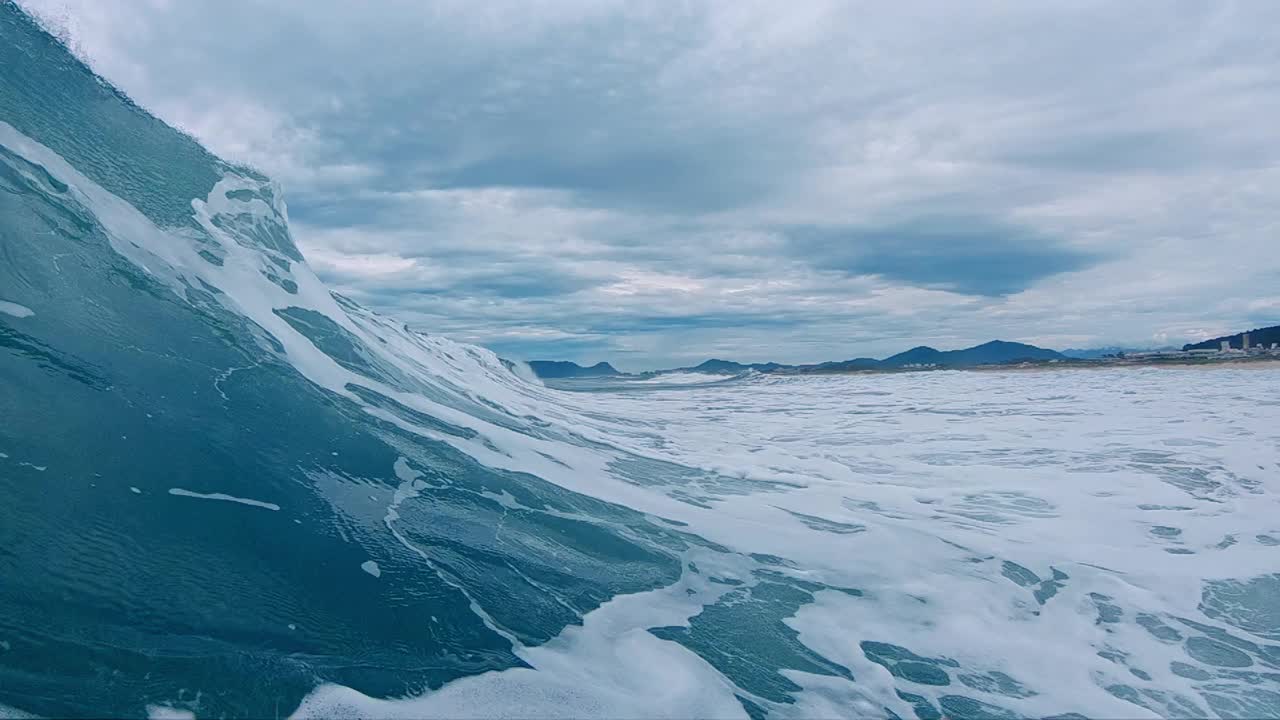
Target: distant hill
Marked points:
552	369
728	367
1258	336
996	352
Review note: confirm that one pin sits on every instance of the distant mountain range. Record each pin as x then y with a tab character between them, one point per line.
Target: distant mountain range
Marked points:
1258	336
996	352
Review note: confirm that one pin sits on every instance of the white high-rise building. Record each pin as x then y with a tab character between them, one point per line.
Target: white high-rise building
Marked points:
1244	342
1226	345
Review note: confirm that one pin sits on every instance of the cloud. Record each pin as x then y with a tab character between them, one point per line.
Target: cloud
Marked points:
654	183
970	255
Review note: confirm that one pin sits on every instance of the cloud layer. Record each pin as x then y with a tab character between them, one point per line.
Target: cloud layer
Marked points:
656	183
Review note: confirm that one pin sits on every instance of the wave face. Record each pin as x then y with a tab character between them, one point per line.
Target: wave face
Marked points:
228	491
179	355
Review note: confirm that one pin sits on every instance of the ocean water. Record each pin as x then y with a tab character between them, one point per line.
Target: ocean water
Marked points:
226	491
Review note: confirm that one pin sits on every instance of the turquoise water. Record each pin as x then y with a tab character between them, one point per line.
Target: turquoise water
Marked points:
113	598
229	492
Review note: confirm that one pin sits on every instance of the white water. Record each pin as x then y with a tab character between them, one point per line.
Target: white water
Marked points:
682	378
917	488
163	712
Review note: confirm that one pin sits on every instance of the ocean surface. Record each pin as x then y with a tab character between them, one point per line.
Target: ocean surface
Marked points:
226	491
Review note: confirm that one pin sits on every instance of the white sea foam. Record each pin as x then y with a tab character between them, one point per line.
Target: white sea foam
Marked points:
609	667
682	378
223	496
917	489
12	713
164	712
371	567
16	310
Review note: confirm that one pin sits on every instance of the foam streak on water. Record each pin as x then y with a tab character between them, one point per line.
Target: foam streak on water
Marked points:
15	310
224	497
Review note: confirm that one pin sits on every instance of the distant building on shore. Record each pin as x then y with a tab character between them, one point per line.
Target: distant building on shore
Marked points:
1244	341
1226	345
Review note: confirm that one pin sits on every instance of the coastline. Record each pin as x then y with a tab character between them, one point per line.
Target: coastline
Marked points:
1171	364
1260	361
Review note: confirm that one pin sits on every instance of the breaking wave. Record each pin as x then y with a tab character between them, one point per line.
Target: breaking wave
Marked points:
229	491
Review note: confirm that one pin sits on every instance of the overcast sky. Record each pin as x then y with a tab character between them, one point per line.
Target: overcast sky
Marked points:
658	183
